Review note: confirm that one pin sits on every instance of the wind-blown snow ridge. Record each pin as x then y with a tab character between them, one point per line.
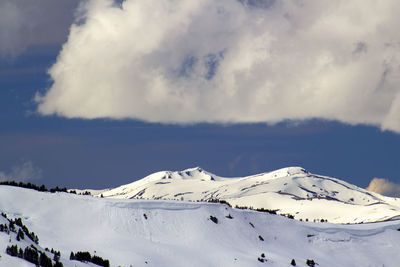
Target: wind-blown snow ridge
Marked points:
291	190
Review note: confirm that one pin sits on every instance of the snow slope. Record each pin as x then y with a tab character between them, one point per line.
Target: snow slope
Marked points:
291	190
131	232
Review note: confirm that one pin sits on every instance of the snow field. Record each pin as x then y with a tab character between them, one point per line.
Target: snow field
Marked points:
175	233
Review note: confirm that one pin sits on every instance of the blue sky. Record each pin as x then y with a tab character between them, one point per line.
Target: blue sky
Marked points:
59	146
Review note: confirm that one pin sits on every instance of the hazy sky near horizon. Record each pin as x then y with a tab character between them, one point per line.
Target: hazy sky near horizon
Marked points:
100	93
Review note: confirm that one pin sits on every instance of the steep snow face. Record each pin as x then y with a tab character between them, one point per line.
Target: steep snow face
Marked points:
132	232
290	190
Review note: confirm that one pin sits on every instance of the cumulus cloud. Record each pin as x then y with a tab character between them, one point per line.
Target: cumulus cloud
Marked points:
24	23
384	187
174	61
21	173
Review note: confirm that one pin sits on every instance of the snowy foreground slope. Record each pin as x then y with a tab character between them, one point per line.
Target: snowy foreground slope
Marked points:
132	232
290	190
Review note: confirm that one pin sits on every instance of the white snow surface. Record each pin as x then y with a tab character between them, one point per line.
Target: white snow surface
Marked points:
290	190
137	232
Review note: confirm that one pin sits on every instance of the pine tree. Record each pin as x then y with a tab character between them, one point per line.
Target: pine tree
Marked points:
44	260
18	222
31	255
12	226
56	256
12	250
20	234
310	263
83	256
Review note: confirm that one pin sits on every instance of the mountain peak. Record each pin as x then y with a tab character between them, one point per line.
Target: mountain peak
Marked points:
296	170
284	172
197	168
196	173
193	170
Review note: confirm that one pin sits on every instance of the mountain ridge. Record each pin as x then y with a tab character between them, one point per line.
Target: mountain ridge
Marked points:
291	190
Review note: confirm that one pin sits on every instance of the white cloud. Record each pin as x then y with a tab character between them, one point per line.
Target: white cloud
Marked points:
23	172
384	187
174	61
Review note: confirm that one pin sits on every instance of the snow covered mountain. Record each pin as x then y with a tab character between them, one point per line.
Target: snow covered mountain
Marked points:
290	190
137	232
